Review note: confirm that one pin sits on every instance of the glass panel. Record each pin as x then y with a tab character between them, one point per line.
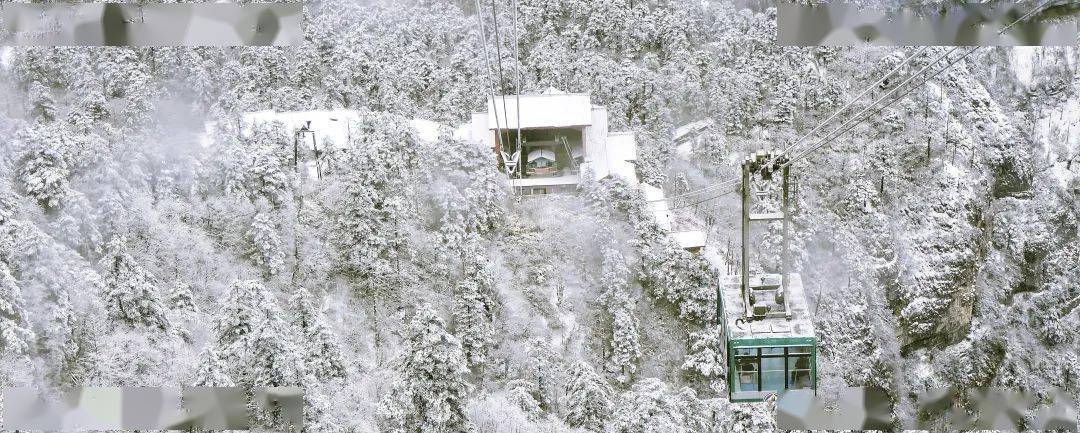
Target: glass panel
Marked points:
747	374
745	352
772	373
772	351
798	362
799	349
799	379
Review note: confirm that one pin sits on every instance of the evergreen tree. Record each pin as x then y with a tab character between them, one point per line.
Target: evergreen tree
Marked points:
472	320
130	295
432	391
212	370
588	398
545	368
45	169
181	298
705	357
255	341
621	306
275	358
266	248
15	334
42	103
322	353
651	406
242	310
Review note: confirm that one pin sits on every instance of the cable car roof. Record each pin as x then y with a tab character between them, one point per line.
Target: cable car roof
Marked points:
770	331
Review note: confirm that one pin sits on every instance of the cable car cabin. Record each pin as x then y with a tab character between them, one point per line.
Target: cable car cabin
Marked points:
774	349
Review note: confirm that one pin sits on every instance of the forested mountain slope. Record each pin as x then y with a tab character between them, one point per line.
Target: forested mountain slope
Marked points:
410	290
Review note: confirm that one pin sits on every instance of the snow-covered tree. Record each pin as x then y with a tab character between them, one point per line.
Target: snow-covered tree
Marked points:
246	313
322	352
42	103
472	322
621	306
15	334
432	391
588	398
266	248
45	170
275	357
212	370
545	368
130	295
259	167
181	298
705	358
652	407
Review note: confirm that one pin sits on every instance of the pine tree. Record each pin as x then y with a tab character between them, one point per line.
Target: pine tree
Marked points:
621	306
181	298
432	390
651	406
246	308
15	334
45	169
322	353
42	103
275	358
472	322
130	295
625	347
588	398
212	370
705	357
545	368
266	248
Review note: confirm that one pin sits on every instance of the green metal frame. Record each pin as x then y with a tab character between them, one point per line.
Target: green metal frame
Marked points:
767	342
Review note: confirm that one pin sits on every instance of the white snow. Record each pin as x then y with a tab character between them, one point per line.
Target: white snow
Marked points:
1022	59
6	54
555	110
427	130
332	124
690	238
692	127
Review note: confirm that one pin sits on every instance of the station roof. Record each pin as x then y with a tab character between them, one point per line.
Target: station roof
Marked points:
799	325
551	109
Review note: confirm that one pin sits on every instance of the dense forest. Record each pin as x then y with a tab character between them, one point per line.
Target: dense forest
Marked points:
411	290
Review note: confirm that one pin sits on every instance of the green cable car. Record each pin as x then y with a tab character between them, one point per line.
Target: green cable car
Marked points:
772	352
769	335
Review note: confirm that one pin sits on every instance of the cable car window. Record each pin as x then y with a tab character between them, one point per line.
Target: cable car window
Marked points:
745	352
777	351
747	374
772	373
799	349
798	371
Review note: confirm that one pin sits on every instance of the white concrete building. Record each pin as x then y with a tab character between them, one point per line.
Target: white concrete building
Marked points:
562	135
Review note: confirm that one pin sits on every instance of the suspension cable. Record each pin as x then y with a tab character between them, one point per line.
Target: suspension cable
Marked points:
517	59
830	118
487	72
502	78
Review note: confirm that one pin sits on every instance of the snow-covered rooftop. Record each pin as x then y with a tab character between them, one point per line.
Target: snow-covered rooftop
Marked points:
690	128
545	110
690	239
799	325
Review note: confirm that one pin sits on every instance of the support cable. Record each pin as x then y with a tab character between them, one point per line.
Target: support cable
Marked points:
833	116
487	73
502	78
